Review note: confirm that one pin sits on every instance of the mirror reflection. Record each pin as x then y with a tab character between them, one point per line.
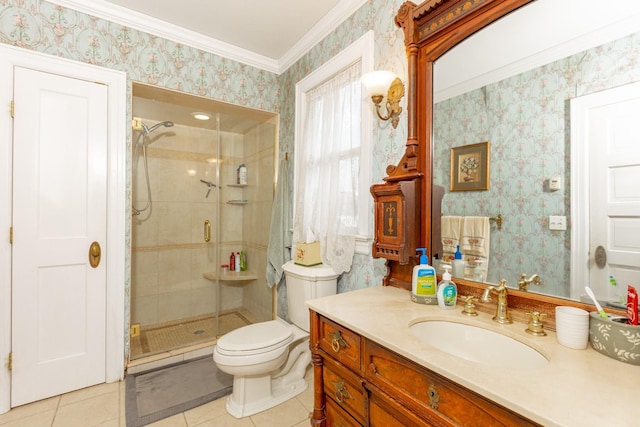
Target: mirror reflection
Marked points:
515	93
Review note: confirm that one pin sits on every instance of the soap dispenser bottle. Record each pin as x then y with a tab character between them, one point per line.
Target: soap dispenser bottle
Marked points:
447	291
458	264
423	283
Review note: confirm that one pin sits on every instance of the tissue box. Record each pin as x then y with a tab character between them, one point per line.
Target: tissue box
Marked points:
615	339
307	254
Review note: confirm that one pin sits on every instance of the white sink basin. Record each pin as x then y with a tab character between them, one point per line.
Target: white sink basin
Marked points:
478	344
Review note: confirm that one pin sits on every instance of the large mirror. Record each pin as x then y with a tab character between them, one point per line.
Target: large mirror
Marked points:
512	84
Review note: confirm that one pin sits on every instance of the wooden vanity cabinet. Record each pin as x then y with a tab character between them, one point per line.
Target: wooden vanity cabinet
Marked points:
361	383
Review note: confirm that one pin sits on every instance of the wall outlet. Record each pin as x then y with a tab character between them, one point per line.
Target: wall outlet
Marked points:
555	183
557	222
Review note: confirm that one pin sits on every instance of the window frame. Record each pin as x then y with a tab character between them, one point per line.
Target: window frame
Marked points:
361	50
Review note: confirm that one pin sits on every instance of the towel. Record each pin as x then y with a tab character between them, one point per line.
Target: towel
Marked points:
475	246
451	232
475	236
280	231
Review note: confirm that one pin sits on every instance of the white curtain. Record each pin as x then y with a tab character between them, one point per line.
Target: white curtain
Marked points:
327	183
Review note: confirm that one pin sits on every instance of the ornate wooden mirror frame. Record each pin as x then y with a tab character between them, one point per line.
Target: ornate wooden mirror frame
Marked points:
430	30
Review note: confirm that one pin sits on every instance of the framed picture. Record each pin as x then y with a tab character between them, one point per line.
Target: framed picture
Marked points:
470	167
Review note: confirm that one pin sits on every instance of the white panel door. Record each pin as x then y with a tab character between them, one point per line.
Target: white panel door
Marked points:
59	209
615	190
611	124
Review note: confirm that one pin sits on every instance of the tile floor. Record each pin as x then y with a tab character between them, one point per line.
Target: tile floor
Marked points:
103	405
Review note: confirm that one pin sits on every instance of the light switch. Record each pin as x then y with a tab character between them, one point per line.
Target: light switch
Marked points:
557	222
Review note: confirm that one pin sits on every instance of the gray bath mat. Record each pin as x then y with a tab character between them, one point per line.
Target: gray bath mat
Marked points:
160	393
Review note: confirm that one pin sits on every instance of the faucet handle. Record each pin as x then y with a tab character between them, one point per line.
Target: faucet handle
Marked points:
470	306
535	326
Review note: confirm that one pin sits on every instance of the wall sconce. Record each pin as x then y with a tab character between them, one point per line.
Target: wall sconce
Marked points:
379	82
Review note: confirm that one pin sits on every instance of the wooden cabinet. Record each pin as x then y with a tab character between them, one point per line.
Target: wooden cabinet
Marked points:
361	383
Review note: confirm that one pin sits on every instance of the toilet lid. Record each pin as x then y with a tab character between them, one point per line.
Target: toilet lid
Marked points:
256	338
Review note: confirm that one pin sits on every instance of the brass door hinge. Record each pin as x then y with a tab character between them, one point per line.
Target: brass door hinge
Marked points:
11	235
12	108
10	363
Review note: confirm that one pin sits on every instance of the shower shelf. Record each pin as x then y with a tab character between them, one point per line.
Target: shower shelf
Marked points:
237	202
239	276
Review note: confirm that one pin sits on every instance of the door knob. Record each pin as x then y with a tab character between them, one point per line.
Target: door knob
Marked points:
601	257
94	254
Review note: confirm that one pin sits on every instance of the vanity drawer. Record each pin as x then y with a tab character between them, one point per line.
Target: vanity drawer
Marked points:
385	412
421	387
344	388
340	343
337	417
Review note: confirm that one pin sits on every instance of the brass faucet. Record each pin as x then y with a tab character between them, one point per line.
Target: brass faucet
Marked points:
502	309
523	283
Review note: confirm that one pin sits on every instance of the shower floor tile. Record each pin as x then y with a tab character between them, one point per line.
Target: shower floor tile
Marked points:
169	336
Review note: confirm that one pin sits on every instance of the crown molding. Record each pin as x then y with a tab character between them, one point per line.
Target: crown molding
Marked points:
336	16
535	49
139	21
132	19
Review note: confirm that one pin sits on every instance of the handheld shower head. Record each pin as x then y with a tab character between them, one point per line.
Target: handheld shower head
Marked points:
147	130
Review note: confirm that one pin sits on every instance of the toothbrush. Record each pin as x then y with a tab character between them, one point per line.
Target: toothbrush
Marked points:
593	297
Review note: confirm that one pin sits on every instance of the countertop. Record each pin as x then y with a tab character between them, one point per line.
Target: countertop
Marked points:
576	387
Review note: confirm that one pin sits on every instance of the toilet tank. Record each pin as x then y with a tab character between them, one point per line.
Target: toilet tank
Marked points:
306	283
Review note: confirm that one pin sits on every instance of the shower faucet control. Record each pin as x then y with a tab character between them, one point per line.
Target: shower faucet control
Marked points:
210	185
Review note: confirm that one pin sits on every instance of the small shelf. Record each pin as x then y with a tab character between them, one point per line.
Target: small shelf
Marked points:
237	185
232	276
237	202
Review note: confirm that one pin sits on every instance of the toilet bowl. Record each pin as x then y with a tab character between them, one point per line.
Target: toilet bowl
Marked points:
268	360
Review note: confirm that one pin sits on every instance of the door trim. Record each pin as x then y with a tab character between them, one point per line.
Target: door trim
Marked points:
116	252
580	189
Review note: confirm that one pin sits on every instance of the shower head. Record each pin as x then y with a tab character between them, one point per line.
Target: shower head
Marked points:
147	130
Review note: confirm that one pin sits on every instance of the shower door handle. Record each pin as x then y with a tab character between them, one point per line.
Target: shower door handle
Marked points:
95	252
207	230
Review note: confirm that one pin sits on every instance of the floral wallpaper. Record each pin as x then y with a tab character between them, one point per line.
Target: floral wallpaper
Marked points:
526	120
388	143
48	28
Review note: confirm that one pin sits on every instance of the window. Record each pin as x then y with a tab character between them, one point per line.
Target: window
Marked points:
332	157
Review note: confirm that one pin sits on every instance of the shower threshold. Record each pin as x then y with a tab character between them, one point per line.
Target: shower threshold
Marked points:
171	337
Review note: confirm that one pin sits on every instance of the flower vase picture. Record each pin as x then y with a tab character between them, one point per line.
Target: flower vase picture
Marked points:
470	167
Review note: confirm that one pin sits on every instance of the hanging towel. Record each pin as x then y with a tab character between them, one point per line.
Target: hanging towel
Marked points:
475	236
280	230
451	233
475	247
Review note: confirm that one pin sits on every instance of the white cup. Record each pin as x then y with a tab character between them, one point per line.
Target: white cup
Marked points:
572	327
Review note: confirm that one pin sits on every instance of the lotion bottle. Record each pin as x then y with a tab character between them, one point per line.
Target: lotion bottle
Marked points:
423	283
447	291
458	264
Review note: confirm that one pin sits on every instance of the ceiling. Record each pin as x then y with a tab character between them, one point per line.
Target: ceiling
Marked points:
268	34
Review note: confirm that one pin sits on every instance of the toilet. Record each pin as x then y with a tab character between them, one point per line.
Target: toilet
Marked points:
268	360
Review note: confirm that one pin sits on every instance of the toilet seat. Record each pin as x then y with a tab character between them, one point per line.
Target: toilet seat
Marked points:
257	338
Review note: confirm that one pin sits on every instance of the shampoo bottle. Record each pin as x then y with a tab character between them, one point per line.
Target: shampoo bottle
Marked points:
423	283
447	291
458	264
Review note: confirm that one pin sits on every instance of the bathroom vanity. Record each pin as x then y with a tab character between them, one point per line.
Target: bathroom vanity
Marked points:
370	369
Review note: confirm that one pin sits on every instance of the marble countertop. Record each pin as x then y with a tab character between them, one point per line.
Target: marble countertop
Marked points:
576	387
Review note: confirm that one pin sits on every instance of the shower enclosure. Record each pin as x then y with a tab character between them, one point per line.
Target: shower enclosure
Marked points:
189	212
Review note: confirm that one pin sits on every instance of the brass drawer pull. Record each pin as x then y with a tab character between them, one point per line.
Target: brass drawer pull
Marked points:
337	342
434	397
341	392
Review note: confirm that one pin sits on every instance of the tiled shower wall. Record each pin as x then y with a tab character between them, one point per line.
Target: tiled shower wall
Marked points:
169	254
